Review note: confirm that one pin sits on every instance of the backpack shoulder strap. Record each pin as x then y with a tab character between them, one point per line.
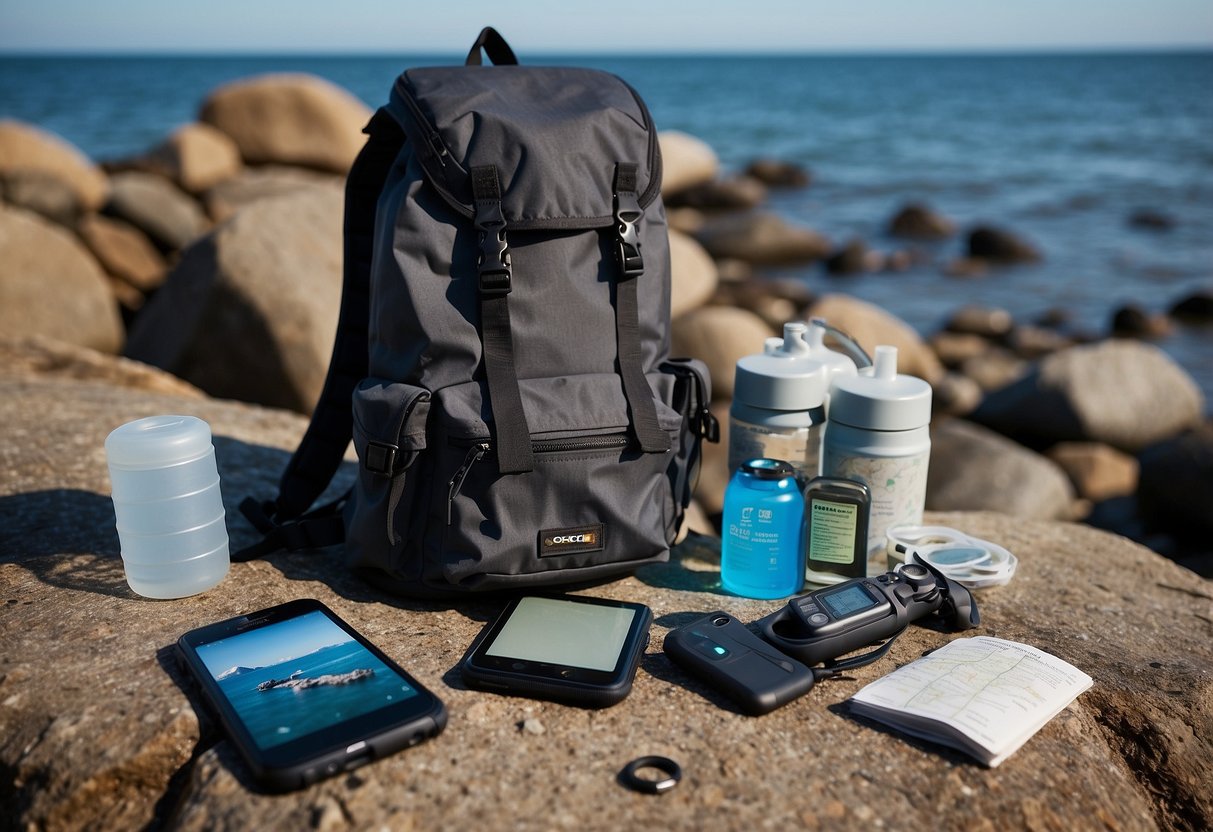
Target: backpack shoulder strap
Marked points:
284	520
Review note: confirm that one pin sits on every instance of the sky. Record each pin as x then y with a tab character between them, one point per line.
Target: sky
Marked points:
270	645
620	26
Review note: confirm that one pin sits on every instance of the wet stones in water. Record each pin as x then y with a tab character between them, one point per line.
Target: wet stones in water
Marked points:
1196	308
1132	321
1000	246
778	174
916	221
1152	220
986	321
850	259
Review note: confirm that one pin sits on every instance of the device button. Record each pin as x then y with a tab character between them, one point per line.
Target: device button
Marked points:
519	665
566	672
884	579
817	619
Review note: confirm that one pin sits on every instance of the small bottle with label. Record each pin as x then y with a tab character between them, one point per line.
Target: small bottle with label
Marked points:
762	551
836	530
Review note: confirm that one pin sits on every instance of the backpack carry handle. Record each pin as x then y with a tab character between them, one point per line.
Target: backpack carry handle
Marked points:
494	46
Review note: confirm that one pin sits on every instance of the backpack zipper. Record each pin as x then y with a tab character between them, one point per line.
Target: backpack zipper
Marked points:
478	450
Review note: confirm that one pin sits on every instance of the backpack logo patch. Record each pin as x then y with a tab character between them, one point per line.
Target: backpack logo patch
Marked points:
573	540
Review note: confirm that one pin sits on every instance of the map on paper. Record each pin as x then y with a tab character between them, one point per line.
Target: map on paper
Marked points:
986	696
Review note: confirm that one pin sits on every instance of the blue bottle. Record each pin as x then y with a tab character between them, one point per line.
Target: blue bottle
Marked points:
762	553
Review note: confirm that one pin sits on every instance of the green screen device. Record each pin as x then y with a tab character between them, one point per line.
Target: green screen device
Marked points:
836	529
573	649
303	696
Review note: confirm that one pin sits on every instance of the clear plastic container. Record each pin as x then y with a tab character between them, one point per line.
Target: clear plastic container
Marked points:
168	506
762	551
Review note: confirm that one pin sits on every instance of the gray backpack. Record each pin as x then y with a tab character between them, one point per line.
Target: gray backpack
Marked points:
501	360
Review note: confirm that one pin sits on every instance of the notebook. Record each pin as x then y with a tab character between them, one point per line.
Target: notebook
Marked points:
984	696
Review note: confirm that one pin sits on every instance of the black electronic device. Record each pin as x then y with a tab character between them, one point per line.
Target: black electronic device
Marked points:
721	651
828	623
573	649
836	515
303	696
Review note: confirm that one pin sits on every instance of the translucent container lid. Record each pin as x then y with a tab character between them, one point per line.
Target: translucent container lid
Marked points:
785	376
880	399
158	441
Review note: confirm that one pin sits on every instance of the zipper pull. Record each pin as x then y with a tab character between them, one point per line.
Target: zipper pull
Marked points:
474	455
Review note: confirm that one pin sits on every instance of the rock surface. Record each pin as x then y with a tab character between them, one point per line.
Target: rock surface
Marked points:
778	174
1098	472
763	239
1175	491
50	285
24	147
253	184
195	156
737	193
124	251
975	469
870	326
685	161
289	119
1000	246
158	207
1123	393
919	222
260	293
98	729
42	193
718	336
46	358
693	275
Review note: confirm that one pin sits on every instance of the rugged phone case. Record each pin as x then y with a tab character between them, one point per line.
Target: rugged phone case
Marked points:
722	652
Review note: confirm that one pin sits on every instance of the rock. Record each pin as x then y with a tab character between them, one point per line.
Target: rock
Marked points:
1175	491
88	666
967	267
1132	321
1033	342
718	336
953	349
870	325
1122	393
289	119
955	395
919	222
24	147
686	220
986	321
1098	472
50	285
732	270
1000	246
45	358
973	468
42	193
124	251
1152	220
995	368
196	157
157	207
1196	308
693	274
253	184
685	161
852	258
762	239
778	174
696	521
774	310
1055	317
250	312
737	193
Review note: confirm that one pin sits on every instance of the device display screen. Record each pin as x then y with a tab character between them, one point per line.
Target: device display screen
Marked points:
848	601
558	632
298	676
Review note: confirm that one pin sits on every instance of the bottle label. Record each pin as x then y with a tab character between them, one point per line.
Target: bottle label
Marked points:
832	528
898	486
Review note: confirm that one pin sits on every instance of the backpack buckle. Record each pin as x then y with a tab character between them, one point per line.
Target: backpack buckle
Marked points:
493	267
627	214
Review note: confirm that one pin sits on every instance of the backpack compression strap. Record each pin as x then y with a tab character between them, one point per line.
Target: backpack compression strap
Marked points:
311	468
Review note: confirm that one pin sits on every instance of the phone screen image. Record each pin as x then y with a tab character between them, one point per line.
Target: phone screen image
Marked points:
298	676
560	632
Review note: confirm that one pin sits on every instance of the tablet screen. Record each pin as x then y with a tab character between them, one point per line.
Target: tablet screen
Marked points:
568	633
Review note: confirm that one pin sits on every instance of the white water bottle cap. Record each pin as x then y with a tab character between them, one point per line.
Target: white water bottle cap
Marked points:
785	376
880	399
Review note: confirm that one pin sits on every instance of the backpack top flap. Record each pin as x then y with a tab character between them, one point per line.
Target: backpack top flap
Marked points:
555	135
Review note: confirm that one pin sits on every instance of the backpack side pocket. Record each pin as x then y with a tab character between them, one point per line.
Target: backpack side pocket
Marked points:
691	395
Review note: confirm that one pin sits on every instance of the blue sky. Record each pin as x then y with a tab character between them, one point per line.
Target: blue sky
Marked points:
567	26
273	644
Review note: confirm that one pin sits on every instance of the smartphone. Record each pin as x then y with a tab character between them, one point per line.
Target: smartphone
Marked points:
582	651
303	696
722	652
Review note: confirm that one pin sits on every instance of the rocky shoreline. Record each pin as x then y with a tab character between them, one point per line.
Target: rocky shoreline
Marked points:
217	256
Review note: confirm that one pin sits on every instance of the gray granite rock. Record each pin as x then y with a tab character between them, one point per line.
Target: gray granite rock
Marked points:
98	729
157	207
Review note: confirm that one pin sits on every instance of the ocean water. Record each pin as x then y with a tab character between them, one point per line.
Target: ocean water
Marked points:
1060	149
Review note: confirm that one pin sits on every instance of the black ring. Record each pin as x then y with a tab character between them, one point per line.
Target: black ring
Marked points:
665	765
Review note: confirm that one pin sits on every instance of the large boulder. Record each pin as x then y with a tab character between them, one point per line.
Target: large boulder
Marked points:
157	207
870	325
1123	393
685	161
764	239
47	359
124	251
718	336
251	310
50	285
1175	491
973	468
1098	472
253	184
777	173
43	193
693	274
289	119
737	193
24	147
195	156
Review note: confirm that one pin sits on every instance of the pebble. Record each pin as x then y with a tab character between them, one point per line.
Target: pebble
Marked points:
531	725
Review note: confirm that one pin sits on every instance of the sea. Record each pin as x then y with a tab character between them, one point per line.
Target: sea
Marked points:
1061	149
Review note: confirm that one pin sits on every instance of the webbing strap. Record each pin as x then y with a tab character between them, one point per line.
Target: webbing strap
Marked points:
512	437
327	437
636	388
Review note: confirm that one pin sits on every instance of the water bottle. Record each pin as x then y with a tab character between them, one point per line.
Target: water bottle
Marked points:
779	404
879	434
167	505
762	553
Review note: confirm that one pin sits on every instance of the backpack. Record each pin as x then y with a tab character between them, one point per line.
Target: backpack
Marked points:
501	360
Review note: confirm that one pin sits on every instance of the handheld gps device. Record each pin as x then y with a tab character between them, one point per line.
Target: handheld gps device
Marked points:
828	623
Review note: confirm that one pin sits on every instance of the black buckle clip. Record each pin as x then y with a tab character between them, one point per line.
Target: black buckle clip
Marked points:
380	458
493	267
627	215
